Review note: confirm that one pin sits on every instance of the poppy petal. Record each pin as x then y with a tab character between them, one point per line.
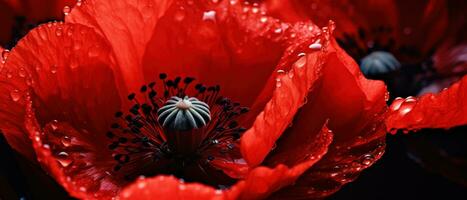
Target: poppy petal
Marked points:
69	156
262	181
444	110
127	25
220	43
55	68
355	108
168	188
288	97
259	183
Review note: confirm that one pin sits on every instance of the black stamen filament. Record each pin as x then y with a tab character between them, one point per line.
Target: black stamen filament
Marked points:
140	141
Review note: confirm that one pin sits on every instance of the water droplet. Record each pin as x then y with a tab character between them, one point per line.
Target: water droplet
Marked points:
54	125
141	184
66	141
209	15
79	3
53	69
15	95
22	73
5	54
59	32
291	73
407	105
301	62
255	10
396	104
386	96
63	159
263	19
278	82
179	15
368	159
66	10
278	30
315	46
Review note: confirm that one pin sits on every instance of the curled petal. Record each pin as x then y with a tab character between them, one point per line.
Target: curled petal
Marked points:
258	184
444	110
278	113
355	108
263	181
50	75
53	64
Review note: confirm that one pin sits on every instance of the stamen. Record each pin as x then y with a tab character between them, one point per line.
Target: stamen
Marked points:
179	125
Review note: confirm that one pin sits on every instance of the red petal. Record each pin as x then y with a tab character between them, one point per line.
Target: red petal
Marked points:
170	188
288	97
259	184
226	43
444	110
73	159
128	26
355	108
65	70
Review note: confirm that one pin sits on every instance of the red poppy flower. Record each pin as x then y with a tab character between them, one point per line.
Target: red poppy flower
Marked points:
421	41
114	94
17	16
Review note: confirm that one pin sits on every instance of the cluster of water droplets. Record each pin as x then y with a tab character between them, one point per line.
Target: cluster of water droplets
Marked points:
347	170
401	107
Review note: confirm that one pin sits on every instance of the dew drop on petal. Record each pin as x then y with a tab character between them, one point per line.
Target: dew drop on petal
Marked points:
278	30
315	46
53	69
407	105
396	104
368	159
66	10
179	15
5	54
209	15
15	95
66	141
63	159
59	32
301	62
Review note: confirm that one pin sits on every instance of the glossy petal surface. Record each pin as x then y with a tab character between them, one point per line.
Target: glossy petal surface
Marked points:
444	110
51	73
128	27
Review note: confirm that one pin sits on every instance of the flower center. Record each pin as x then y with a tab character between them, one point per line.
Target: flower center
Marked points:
379	63
182	132
184	114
